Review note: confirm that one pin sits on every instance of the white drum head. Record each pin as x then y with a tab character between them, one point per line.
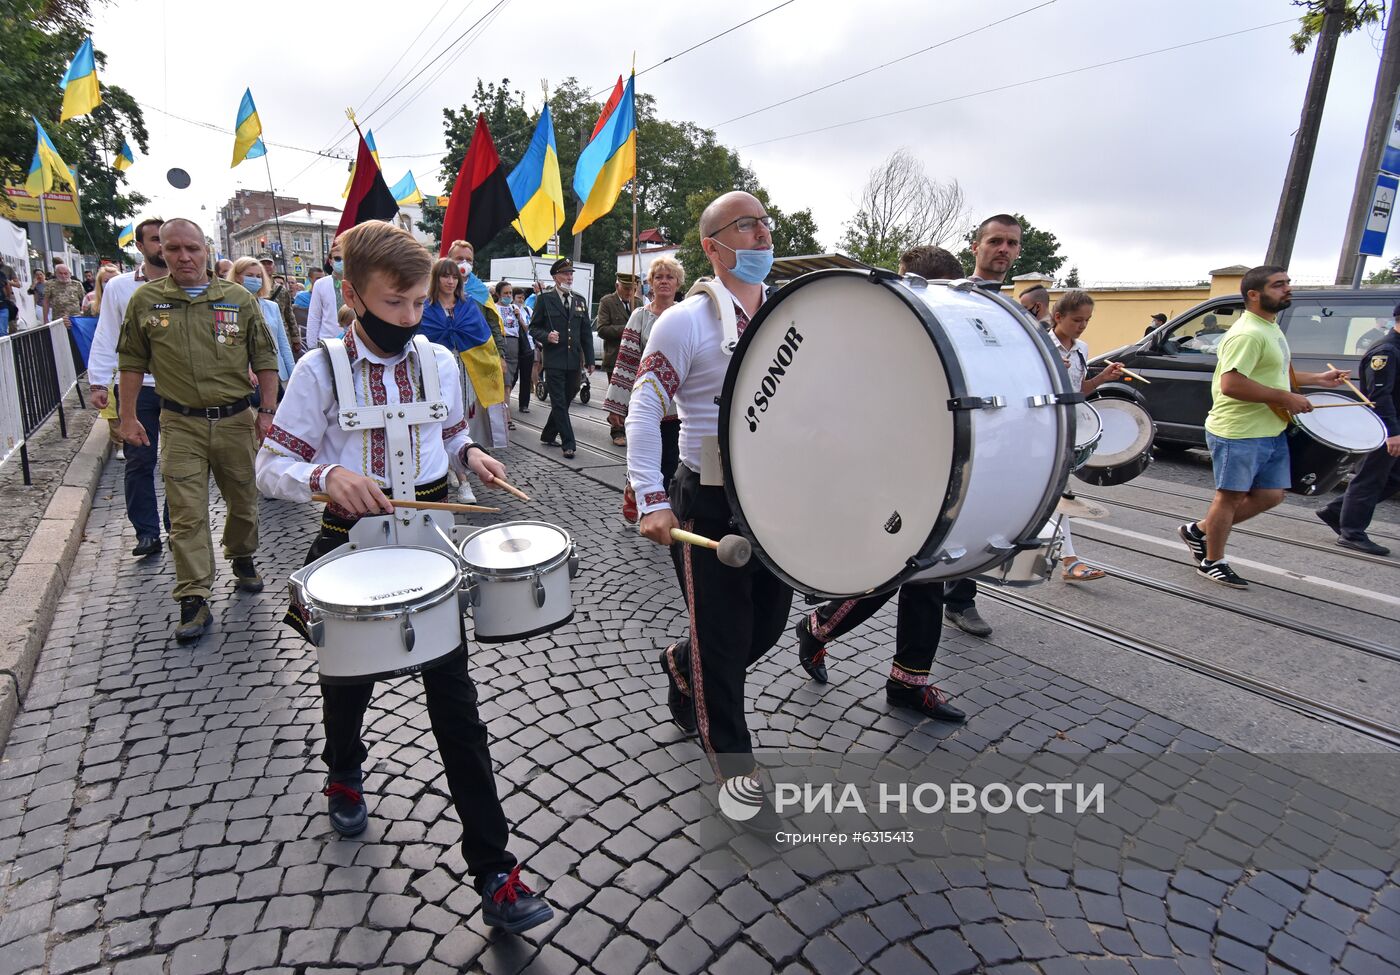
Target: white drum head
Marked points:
388	576
514	546
1127	432
1088	427
1354	429
811	401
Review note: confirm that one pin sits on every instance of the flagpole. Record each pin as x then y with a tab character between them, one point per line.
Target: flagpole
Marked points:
276	219
44	231
635	258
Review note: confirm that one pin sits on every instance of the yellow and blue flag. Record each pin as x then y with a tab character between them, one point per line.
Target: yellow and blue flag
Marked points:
127	236
47	166
536	189
125	158
247	131
608	161
80	90
406	190
373	151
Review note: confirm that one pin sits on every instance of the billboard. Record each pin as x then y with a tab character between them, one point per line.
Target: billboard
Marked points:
61	205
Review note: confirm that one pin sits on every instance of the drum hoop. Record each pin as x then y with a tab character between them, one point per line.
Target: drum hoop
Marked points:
1099	460
523	572
1312	434
382	611
959	470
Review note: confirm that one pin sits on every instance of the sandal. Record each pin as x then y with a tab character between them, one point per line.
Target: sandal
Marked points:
619	440
1081	571
510	424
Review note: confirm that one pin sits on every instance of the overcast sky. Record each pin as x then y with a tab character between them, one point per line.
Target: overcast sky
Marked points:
1158	168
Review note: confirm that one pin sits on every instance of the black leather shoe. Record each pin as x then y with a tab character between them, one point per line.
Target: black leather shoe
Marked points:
1332	519
147	545
524	411
810	654
246	574
1362	543
969	621
682	708
194	619
929	701
508	904
549	441
345	801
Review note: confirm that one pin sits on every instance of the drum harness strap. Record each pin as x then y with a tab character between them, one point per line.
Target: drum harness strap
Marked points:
395	419
711	467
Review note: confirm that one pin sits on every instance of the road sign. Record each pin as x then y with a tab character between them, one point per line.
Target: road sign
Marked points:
1378	220
1390	156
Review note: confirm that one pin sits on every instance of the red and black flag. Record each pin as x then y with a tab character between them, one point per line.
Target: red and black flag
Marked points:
369	197
481	205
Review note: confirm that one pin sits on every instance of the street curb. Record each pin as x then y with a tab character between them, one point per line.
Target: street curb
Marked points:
32	592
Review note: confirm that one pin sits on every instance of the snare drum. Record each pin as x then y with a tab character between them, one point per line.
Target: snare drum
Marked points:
1323	444
375	613
839	500
1088	429
517	579
1125	448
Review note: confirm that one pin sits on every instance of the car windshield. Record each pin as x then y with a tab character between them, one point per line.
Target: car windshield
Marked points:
1320	327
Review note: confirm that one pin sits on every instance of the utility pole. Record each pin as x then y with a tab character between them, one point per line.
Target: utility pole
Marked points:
1295	181
1352	264
578	237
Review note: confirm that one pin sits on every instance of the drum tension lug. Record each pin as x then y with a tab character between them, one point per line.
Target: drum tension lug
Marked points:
539	591
878	274
976	402
1056	399
409	637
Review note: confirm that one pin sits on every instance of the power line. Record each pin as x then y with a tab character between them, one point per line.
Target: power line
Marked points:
224	131
906	57
1016	84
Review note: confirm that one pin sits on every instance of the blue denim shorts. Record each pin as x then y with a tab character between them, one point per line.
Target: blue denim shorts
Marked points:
1249	463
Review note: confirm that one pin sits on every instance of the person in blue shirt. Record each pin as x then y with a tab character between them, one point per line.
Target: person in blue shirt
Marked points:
251	274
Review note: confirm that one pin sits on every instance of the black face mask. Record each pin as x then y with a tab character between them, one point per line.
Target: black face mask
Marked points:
386	336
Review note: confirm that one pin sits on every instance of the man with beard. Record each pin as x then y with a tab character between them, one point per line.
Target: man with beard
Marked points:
1252	398
140	471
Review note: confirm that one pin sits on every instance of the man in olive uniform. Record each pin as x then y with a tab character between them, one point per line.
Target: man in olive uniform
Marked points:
1378	477
613	312
561	328
65	294
282	297
199	337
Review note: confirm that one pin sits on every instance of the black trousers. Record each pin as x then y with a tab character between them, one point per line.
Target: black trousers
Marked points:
1376	480
670	450
452	713
960	595
736	616
563	387
917	632
525	376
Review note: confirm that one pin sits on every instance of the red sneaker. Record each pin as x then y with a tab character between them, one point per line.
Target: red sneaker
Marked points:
629	505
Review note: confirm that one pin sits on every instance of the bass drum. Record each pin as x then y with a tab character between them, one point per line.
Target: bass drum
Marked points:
875	430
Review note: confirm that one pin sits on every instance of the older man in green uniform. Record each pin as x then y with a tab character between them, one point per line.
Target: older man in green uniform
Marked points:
199	338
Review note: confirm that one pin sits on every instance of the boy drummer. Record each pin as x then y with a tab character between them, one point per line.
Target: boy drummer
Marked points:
307	452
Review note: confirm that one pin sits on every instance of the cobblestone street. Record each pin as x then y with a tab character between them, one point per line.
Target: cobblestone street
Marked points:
160	806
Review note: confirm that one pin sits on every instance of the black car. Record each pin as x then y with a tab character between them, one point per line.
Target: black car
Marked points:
1323	325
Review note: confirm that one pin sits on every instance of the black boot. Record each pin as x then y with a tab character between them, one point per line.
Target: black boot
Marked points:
246	574
345	801
929	701
508	904
146	545
682	707
810	653
194	618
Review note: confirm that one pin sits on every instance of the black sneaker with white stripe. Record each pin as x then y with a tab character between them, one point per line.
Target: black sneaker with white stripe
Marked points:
1220	572
1194	539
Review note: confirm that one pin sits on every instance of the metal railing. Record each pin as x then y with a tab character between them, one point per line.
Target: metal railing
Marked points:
38	369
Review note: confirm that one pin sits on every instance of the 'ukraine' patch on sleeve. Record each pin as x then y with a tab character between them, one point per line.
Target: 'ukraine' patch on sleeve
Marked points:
1379	362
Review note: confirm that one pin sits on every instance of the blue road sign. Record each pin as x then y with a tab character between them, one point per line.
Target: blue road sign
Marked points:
1378	219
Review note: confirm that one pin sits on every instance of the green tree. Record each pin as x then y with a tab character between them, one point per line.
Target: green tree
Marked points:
901	207
1387	275
1071	279
1355	14
1040	251
40	39
793	234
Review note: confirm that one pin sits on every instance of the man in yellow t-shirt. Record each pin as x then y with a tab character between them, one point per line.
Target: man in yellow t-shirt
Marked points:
1250	394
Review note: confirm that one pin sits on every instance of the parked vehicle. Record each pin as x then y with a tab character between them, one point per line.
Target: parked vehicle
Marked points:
1322	325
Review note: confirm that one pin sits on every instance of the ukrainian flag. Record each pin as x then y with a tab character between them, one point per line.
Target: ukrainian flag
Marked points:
247	131
80	91
127	236
535	187
125	158
47	167
373	151
406	190
608	161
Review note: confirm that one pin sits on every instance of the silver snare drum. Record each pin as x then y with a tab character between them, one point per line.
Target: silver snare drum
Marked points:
375	613
517	579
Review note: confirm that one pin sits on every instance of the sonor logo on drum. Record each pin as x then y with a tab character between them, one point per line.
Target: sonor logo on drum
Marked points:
894	523
768	386
396	593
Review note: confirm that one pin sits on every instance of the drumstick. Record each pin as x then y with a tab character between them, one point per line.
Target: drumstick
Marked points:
1350	385
508	488
1132	375
1328	406
426	505
732	550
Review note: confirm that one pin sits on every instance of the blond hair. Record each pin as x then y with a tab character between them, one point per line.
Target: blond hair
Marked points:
346	316
667	264
241	265
378	246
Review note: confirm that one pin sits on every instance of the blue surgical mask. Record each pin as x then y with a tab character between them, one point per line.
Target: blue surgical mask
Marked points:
338	266
750	266
252	284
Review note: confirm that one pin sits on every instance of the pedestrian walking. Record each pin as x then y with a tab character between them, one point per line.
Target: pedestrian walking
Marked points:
512	325
65	295
614	311
199	337
564	338
323	308
254	276
526	371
